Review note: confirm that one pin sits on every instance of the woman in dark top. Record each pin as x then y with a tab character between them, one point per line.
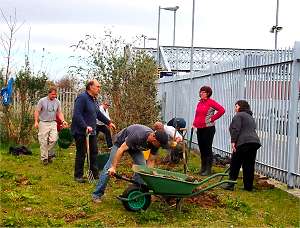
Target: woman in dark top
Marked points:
244	143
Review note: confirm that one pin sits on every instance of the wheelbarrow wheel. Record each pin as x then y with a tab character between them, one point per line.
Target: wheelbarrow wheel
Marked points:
139	203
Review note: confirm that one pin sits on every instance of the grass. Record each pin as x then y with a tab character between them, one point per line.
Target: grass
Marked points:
37	195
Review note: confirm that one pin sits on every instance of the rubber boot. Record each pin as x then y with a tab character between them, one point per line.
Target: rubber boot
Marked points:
207	170
203	165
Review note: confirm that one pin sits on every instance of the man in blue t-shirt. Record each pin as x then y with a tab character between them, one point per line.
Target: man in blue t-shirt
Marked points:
133	139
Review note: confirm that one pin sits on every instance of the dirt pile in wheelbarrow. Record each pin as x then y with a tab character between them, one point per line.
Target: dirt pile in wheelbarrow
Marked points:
205	200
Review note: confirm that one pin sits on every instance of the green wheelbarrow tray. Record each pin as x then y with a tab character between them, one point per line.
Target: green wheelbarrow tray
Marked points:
163	183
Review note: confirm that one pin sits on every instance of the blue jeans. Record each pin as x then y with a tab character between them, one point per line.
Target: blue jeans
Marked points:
138	159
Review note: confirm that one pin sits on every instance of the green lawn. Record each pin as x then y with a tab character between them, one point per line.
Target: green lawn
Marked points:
37	195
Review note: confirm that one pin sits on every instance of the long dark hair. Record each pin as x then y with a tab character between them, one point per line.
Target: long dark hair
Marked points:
244	106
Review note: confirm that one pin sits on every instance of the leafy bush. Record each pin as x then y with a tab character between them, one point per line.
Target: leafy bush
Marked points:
127	79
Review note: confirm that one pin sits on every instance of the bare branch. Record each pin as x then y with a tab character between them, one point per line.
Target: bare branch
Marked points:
9	39
4	17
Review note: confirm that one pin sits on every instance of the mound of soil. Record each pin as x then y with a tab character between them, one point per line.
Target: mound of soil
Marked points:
205	200
262	182
73	217
22	181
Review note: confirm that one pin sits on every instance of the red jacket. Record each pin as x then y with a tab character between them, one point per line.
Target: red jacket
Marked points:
205	115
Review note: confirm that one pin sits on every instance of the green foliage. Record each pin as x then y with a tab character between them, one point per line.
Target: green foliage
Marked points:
6	174
238	205
31	87
144	217
17	124
127	78
1	77
10	221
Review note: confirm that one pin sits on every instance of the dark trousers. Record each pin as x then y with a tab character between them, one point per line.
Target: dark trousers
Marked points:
244	156
205	137
104	129
80	141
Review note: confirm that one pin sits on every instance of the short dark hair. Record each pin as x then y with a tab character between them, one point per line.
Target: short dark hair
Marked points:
89	84
244	106
51	89
161	137
206	89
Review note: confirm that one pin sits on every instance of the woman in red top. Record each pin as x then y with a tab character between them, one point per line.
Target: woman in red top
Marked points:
207	112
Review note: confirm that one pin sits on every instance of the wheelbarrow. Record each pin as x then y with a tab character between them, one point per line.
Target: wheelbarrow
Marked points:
165	184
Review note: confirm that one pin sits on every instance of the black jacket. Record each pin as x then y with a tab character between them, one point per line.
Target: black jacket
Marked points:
85	114
243	129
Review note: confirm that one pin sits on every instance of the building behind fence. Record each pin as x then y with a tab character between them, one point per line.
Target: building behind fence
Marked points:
269	81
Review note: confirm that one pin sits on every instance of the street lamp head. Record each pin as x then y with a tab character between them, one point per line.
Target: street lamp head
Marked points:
175	8
272	30
275	28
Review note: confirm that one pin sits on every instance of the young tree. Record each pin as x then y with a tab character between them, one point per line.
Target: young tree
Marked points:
128	79
28	88
67	82
7	41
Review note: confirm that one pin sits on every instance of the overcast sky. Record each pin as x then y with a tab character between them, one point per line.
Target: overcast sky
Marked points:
57	24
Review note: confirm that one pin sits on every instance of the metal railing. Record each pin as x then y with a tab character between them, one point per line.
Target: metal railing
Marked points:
270	81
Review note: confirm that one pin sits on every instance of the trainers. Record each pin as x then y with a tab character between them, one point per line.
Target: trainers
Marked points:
96	199
53	155
45	162
228	186
206	173
79	179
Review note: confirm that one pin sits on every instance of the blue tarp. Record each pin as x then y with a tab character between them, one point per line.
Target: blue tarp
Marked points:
6	92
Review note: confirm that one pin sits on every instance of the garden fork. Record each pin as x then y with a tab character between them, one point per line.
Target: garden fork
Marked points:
89	173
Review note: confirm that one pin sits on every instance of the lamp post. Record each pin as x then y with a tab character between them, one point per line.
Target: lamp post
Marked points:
191	67
275	28
174	9
192	40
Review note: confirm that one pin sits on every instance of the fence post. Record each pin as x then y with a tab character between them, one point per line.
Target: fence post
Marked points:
243	76
292	115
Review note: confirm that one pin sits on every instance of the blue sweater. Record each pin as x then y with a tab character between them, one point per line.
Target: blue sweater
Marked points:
85	114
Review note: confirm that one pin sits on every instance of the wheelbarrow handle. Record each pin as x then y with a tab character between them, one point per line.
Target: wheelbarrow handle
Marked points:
191	139
120	177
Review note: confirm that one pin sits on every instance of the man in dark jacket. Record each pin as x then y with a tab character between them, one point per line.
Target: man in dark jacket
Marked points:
83	123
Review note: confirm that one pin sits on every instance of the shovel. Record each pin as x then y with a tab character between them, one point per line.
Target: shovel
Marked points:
191	139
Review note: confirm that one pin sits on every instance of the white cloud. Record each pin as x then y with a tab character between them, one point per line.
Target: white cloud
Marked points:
57	24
